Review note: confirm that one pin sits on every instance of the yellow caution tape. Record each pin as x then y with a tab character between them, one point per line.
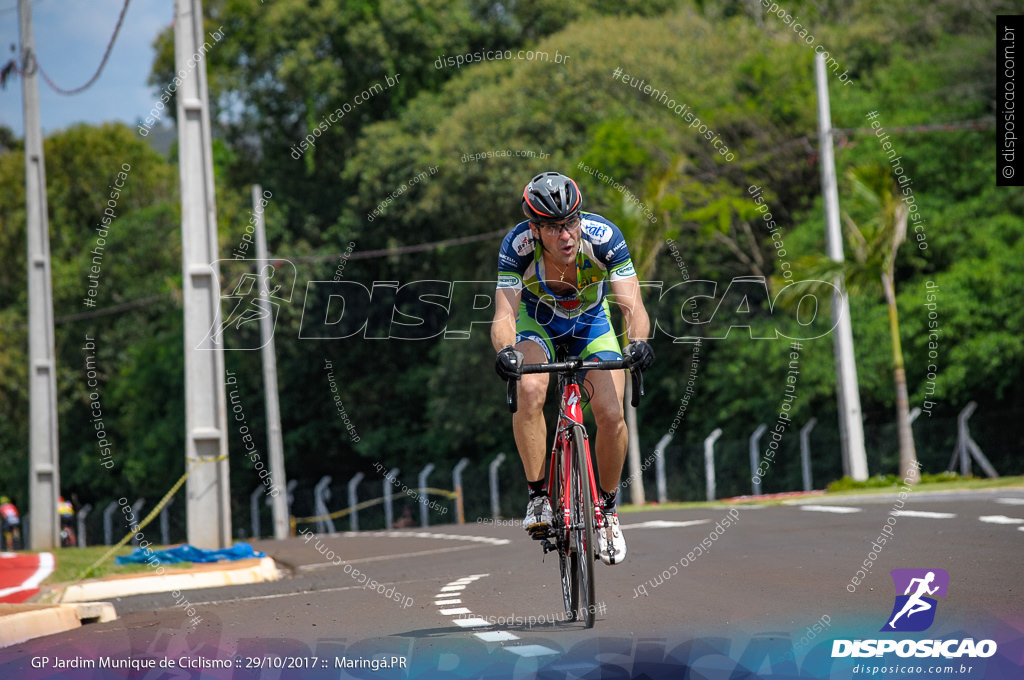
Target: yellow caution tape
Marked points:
149	518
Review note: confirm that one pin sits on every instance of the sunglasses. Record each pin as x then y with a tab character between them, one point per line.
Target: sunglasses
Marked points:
569	225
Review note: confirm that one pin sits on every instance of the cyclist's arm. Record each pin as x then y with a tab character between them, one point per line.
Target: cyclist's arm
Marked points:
503	330
626	294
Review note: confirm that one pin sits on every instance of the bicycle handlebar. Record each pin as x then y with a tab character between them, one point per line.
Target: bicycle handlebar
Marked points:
575	365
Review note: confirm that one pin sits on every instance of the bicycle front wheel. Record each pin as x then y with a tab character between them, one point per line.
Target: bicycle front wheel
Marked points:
566	559
582	513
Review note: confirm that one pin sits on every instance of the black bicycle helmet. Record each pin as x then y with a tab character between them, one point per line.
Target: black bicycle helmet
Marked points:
551	196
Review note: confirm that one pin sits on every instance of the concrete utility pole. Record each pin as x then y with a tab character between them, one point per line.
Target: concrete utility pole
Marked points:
44	444
851	425
275	445
637	494
209	511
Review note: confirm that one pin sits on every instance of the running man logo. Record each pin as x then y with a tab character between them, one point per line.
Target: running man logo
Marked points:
257	289
914	610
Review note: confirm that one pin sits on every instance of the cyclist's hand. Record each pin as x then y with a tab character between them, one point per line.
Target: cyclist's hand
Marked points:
641	354
508	363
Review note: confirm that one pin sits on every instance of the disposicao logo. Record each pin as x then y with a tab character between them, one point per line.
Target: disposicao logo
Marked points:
914	611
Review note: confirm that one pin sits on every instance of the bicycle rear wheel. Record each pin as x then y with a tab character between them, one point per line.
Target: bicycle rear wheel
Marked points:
582	514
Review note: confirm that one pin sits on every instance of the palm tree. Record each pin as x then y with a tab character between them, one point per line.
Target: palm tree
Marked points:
871	258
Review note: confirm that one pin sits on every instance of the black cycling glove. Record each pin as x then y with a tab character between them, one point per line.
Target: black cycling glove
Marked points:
508	363
641	354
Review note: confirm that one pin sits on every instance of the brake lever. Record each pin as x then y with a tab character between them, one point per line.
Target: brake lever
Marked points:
637	377
512	396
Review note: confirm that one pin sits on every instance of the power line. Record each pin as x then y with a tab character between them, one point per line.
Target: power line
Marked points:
365	255
401	250
106	55
123	307
805	140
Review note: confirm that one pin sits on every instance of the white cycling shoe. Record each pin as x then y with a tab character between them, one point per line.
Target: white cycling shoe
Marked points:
538	517
611	544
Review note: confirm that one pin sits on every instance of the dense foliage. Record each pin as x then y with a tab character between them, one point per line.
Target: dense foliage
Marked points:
410	153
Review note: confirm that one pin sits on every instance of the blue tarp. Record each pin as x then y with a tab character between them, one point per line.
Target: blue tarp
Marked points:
188	553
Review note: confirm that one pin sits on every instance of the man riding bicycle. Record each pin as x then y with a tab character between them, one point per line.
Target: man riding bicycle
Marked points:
554	274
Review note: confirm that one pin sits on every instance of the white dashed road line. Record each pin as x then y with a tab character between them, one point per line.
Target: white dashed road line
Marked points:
464	619
496	636
922	513
444	598
662	524
531	650
838	509
1000	519
427	534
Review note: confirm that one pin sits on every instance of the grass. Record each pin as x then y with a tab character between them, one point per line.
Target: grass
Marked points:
70	562
846	487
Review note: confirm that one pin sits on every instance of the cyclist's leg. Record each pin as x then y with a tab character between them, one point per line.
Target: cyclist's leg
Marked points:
528	422
534	341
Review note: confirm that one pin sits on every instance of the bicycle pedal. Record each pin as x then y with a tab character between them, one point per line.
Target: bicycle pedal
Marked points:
539	533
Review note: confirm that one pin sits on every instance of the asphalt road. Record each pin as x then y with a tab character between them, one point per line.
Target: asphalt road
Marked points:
479	600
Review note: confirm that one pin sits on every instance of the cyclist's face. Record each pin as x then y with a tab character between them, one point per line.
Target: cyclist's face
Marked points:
560	238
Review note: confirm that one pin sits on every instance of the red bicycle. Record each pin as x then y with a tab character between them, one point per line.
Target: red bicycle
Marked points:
575	511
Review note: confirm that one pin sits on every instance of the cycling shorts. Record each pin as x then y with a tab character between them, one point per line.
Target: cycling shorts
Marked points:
589	335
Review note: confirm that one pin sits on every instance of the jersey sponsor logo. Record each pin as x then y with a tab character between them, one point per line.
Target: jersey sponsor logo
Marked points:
506	259
598	233
625	271
509	281
523	244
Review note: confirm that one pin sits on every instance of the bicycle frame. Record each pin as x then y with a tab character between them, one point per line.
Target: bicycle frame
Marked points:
575	518
570	412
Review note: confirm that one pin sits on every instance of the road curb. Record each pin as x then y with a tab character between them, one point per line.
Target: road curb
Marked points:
214	575
81	603
23	622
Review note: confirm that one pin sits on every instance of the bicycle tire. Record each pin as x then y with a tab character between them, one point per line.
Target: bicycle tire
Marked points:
566	567
582	515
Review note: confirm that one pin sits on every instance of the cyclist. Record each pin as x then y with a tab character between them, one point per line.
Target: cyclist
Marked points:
554	274
10	524
67	522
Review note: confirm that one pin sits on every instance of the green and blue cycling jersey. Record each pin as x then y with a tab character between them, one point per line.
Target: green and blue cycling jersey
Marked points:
582	320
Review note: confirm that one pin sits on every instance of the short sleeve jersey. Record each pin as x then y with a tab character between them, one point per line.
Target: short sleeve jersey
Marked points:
602	257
